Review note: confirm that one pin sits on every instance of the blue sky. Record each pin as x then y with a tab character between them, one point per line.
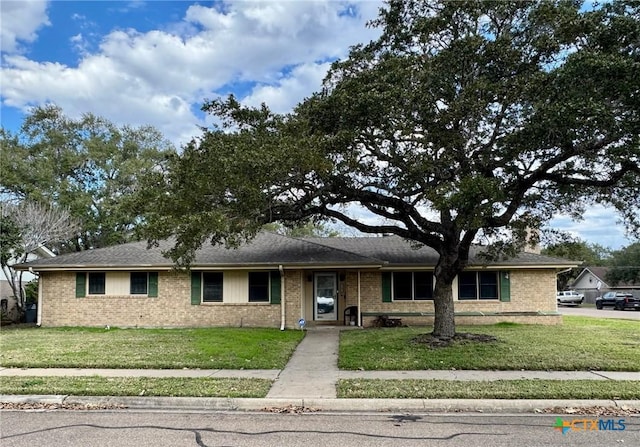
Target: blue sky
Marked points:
154	62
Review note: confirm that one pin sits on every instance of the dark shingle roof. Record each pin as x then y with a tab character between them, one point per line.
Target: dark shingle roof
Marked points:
270	249
398	251
265	249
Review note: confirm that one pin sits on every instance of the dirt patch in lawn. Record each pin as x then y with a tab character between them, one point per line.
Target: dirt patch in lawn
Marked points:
460	338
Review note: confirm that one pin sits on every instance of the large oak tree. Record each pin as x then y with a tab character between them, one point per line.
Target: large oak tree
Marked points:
87	165
465	119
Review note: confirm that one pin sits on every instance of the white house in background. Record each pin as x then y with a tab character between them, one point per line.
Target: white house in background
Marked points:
592	282
8	302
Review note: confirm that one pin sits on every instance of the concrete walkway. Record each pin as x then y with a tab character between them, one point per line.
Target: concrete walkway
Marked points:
312	371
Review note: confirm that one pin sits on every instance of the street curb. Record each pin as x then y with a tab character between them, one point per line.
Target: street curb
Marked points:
337	405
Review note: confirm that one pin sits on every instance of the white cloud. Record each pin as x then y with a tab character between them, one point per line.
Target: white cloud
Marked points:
158	76
20	21
285	93
600	225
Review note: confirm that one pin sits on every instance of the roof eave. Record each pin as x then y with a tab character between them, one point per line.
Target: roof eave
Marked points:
167	267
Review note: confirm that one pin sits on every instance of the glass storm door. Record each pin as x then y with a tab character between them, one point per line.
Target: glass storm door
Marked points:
326	305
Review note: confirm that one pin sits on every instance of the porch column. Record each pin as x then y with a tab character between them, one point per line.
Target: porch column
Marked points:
359	308
302	291
283	294
39	309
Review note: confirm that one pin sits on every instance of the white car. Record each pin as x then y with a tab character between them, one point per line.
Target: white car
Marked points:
570	297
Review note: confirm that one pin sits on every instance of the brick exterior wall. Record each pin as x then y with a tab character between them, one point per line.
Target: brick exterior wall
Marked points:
293	295
172	307
532	291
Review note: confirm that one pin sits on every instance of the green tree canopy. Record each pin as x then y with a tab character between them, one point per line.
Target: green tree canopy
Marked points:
577	250
464	119
88	165
625	265
10	240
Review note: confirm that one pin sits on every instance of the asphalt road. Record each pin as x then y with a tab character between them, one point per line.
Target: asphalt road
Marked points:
604	313
128	429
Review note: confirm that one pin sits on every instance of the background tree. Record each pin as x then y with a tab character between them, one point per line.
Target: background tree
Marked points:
88	165
25	228
308	229
625	265
577	250
464	119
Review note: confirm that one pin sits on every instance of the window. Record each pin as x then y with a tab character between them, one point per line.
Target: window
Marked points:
258	287
96	283
402	286
478	285
488	285
139	282
212	287
423	285
408	286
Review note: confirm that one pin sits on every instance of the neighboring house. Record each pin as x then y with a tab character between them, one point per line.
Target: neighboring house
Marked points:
274	281
592	282
8	301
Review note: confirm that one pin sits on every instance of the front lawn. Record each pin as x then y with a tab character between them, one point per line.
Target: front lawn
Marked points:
578	344
499	389
209	348
136	386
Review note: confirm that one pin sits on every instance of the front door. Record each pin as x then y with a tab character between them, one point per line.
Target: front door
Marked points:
326	303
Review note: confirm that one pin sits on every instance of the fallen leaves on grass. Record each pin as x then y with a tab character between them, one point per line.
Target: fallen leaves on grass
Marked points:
460	338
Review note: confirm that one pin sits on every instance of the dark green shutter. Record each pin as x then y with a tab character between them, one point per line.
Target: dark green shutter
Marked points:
152	291
276	289
505	287
196	288
81	285
386	287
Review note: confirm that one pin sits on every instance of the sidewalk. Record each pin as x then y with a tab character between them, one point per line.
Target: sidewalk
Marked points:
310	378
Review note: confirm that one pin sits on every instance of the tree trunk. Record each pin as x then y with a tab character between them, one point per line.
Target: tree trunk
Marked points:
444	325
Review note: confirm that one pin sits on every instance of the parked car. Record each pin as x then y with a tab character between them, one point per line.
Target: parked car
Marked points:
325	305
569	297
618	300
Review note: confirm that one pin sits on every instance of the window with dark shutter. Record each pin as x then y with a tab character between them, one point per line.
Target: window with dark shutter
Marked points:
402	286
478	286
139	283
258	287
97	283
212	287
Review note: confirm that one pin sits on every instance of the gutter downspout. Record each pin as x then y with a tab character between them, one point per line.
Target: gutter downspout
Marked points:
282	289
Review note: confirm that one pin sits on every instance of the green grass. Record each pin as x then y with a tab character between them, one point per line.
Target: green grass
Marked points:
500	389
210	348
136	386
579	344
